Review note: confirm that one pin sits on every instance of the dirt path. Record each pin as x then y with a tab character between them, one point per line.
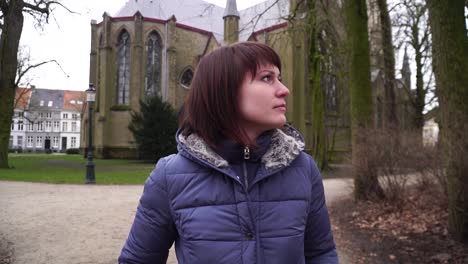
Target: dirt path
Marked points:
79	224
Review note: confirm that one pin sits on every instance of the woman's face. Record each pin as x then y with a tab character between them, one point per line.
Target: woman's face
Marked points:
262	101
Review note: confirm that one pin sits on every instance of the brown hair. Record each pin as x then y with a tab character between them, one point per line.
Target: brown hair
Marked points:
211	109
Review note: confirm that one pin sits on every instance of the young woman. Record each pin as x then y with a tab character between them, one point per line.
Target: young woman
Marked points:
240	189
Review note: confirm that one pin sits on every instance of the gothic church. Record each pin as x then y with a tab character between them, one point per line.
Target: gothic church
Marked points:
152	47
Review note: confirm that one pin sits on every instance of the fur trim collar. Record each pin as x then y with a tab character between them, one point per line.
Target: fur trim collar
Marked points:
286	145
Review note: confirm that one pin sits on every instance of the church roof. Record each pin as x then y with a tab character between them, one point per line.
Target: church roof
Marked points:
206	16
231	8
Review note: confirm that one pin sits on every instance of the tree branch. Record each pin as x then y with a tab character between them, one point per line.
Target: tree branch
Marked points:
30	67
43	7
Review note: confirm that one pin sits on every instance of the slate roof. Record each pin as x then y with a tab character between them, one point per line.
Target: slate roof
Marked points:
206	16
46	100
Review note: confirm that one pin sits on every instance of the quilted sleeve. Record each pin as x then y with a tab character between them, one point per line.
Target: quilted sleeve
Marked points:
319	246
153	230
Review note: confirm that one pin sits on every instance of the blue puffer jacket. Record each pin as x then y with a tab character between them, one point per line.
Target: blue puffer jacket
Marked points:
196	199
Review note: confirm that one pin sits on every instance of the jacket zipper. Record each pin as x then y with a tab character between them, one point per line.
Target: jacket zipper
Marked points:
250	236
246	157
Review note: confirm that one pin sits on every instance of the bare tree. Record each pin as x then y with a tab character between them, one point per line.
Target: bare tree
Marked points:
410	20
391	119
11	26
366	184
450	48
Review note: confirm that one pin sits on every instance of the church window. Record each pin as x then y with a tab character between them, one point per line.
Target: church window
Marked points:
123	68
153	65
186	78
328	78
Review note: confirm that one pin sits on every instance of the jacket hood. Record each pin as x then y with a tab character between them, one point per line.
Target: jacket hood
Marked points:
286	144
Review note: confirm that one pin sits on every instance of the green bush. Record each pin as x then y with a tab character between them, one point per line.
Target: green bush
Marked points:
154	129
72	151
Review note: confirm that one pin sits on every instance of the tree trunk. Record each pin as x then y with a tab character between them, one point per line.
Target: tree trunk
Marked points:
391	119
420	100
318	144
450	52
366	185
9	42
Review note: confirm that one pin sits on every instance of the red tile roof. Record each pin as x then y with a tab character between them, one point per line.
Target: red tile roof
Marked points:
74	100
22	98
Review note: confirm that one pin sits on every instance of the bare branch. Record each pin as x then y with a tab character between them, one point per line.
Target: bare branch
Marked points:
259	16
30	67
43	9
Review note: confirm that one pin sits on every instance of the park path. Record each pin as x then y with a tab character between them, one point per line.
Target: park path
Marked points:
80	224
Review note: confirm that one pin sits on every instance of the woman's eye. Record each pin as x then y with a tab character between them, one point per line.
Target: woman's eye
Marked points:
266	78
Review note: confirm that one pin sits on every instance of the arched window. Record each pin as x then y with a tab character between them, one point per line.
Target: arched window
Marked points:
153	65
186	78
328	69
123	68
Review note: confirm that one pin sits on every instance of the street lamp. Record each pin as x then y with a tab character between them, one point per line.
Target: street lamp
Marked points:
90	98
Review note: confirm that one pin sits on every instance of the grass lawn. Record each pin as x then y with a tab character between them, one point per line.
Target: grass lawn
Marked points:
72	169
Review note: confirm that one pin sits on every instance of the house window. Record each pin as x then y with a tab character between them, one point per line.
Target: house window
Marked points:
41	115
75	116
55	142
73	126
48	125
153	64
49	115
20	141
39	142
56	125
72	102
12	125
186	78
64	127
30	141
20	126
65	116
21	114
10	143
123	68
40	126
41	103
73	142
31	126
50	104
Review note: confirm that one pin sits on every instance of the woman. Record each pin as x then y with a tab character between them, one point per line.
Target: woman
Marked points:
240	189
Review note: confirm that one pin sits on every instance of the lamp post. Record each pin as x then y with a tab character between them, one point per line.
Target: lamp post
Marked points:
90	98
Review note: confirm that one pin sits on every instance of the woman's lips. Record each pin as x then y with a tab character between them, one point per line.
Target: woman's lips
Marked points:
281	107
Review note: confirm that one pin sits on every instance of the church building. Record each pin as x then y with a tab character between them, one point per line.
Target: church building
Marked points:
152	47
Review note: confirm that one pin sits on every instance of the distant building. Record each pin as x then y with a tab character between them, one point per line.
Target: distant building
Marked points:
431	128
46	120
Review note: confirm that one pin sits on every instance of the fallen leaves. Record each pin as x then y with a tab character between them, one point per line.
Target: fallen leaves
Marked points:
384	233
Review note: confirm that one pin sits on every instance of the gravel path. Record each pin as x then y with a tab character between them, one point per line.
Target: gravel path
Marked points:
79	224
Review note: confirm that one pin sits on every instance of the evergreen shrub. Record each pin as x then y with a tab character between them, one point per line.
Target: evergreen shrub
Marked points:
154	129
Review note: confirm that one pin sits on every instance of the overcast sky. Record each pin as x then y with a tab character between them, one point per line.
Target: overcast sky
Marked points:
67	39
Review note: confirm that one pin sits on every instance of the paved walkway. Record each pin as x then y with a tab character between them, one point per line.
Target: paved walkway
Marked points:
79	224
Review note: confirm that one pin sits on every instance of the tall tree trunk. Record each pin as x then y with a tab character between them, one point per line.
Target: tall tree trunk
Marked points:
318	144
420	100
9	42
391	117
450	52
366	185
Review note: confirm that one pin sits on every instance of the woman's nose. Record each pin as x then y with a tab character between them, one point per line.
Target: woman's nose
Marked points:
282	91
